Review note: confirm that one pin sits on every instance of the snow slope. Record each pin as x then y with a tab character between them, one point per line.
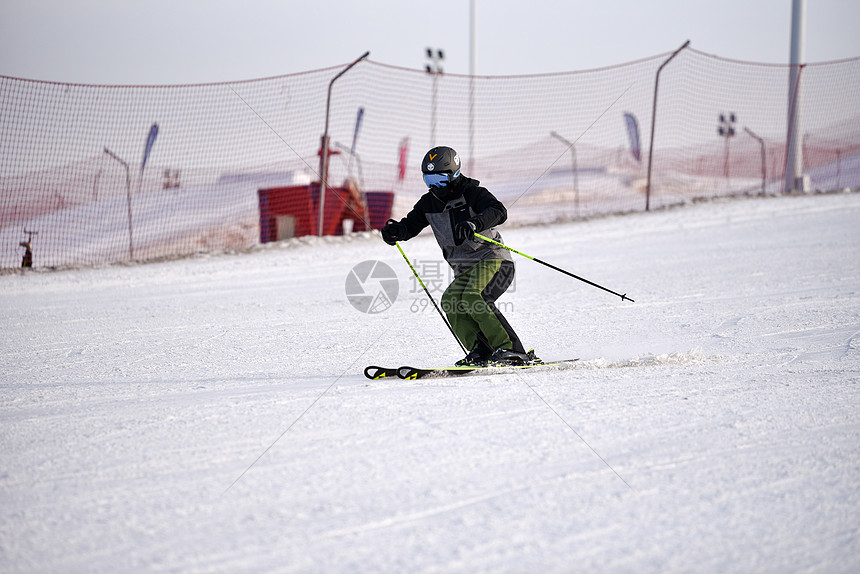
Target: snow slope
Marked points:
209	414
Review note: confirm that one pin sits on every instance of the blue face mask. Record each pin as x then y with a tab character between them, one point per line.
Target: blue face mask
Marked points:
439	180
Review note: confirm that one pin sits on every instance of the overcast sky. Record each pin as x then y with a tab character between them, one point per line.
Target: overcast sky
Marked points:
194	41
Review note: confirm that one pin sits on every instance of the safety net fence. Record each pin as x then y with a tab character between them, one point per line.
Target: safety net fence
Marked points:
93	174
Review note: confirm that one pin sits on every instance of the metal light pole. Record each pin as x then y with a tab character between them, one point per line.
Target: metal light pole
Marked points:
128	195
763	157
572	147
434	68
838	168
472	56
726	129
794	150
324	150
654	123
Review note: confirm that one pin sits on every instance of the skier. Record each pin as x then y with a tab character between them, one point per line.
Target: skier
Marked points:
456	207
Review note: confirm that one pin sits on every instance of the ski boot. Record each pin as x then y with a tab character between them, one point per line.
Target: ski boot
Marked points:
477	357
504	357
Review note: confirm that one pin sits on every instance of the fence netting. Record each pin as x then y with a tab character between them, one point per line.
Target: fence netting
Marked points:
76	184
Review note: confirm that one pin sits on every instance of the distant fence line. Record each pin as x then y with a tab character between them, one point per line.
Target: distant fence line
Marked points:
72	156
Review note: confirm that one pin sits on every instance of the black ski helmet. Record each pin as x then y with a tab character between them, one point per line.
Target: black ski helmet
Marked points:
441	168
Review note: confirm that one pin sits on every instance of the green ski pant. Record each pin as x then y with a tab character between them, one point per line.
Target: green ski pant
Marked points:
469	303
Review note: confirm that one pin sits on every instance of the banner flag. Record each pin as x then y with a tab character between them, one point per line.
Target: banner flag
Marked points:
150	140
357	127
633	134
404	154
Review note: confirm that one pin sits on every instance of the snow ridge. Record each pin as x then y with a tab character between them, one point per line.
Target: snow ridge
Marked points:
692	357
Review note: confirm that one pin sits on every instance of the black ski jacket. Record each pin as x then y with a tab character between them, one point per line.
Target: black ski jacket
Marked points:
471	202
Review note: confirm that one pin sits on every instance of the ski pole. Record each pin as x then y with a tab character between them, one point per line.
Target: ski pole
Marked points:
432	300
560	270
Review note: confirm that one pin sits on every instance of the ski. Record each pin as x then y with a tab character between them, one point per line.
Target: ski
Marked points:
373	372
412	373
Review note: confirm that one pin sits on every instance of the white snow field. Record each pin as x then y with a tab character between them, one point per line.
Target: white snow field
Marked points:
210	414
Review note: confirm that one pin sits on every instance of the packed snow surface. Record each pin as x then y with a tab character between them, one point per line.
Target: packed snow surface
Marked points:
210	414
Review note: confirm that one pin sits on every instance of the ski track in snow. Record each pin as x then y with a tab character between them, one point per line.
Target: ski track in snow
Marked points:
210	414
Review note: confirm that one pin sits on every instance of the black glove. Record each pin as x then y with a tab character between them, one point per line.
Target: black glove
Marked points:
394	231
463	231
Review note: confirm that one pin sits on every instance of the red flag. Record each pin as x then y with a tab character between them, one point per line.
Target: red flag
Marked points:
404	154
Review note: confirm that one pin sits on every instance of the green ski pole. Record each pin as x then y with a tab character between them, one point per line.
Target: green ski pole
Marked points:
560	270
432	300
